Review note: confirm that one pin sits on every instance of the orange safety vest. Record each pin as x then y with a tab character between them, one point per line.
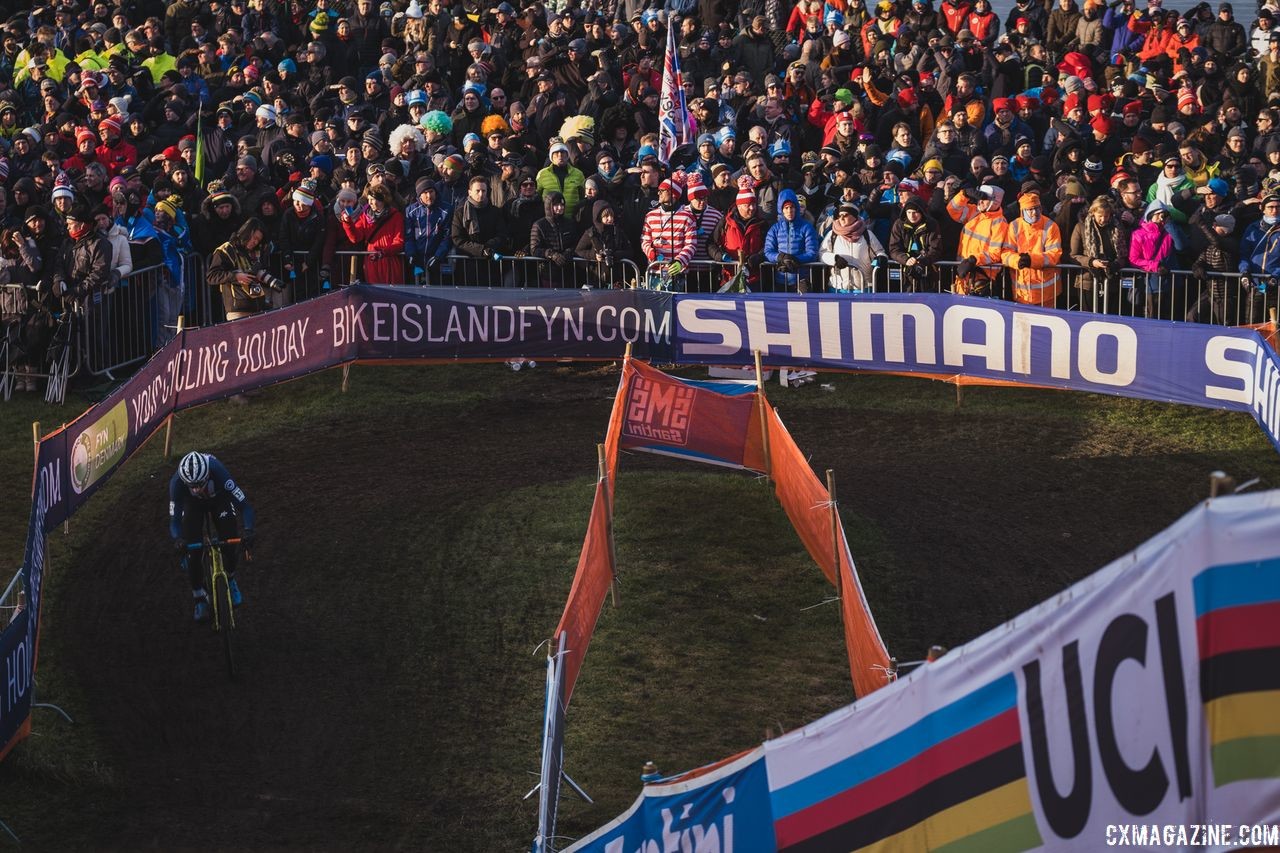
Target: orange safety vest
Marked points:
1040	283
985	236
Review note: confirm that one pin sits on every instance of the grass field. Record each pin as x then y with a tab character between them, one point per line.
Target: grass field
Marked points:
418	539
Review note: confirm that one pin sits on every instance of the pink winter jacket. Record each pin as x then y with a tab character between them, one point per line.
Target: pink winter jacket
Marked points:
1149	246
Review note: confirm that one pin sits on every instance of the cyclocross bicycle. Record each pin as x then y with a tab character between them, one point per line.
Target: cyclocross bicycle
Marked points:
218	585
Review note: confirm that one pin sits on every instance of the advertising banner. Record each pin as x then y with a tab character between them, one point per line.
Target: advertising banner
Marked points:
722	811
477	324
1140	707
701	421
1146	695
1200	365
19	638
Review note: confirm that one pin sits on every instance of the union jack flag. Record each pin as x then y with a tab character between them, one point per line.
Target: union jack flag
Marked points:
675	126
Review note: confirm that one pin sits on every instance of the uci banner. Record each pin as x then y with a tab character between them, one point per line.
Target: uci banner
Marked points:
1141	703
1147	694
1200	365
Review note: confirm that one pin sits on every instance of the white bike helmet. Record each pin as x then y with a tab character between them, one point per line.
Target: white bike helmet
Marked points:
194	469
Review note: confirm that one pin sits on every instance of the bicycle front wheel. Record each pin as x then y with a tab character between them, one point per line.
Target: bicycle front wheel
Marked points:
226	625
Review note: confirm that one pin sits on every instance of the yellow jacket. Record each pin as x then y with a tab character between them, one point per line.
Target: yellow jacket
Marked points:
158	65
57	66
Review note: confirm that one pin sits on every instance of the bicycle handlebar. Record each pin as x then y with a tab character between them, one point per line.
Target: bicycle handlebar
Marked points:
196	546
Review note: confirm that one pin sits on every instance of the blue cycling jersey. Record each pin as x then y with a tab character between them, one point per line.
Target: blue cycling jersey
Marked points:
221	487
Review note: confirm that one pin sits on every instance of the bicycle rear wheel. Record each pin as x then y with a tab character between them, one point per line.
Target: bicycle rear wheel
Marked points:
226	622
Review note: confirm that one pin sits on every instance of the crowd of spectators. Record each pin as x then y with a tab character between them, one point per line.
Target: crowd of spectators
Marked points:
273	138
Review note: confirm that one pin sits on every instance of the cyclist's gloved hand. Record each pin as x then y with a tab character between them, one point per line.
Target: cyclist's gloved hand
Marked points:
247	539
180	546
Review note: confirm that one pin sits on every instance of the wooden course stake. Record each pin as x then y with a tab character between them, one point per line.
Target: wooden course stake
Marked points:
603	468
764	418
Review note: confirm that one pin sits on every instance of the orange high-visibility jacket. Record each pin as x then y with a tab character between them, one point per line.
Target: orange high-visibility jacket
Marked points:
1040	283
985	236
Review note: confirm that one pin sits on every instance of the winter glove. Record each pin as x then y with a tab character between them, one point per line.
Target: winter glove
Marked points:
605	256
786	262
494	246
1024	261
556	258
675	268
1162	269
755	260
1198	270
841	263
1245	282
967	266
971	196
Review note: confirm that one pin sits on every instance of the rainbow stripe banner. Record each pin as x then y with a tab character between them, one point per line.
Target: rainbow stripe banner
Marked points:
954	780
1142	703
1238	634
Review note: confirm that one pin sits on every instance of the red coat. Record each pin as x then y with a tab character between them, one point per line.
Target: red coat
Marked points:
118	158
385	236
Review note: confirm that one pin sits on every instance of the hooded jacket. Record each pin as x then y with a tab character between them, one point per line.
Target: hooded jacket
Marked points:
922	241
1150	246
600	237
553	234
796	237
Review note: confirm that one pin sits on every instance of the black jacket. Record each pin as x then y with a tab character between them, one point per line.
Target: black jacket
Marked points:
84	265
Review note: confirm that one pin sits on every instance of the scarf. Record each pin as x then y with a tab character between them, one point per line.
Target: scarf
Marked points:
853	232
1164	188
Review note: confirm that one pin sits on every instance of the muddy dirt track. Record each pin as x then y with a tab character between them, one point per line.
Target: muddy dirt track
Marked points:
337	736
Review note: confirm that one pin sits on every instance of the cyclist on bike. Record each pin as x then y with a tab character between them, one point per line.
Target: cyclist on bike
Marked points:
203	486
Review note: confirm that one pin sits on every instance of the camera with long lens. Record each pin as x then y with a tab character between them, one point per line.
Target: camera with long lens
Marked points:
269	281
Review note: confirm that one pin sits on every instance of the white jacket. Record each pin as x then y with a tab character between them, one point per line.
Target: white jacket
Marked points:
121	259
855	278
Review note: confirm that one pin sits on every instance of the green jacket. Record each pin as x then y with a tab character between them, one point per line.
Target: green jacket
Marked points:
571	186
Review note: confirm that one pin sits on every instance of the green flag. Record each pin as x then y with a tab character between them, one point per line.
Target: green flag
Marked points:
199	150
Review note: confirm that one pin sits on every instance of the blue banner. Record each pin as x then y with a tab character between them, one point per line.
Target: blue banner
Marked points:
480	324
723	810
20	636
1199	365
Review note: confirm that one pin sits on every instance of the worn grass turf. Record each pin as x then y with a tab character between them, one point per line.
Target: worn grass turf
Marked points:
418	540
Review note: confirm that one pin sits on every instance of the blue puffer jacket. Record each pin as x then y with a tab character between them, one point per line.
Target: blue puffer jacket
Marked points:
1260	249
797	238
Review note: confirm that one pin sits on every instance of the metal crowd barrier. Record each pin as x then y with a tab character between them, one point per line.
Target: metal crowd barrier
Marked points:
1178	295
12	600
708	276
53	335
124	325
533	271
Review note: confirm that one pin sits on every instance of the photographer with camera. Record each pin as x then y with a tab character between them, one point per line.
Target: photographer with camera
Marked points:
238	268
